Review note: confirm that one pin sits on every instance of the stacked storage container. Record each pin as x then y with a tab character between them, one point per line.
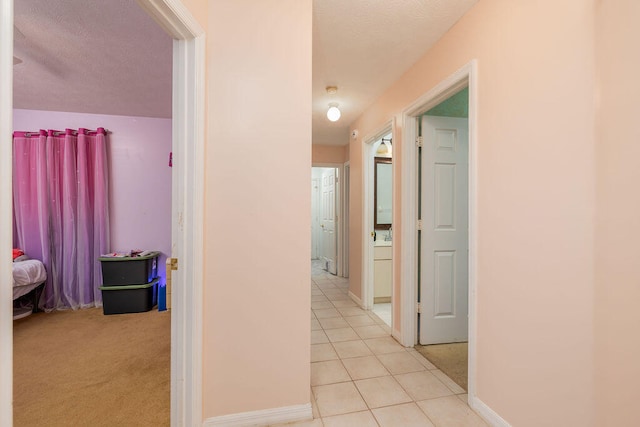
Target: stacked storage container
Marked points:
129	284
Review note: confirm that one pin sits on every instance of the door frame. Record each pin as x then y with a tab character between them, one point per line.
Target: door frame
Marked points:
188	123
465	76
6	212
367	214
346	194
340	228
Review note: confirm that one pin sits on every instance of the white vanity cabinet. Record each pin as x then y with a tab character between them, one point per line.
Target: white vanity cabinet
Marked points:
382	273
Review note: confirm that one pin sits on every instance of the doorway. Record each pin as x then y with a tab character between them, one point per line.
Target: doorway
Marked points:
187	208
377	262
412	291
326	247
444	238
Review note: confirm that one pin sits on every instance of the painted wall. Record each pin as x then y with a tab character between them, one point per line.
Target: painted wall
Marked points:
536	200
257	216
618	214
140	179
328	154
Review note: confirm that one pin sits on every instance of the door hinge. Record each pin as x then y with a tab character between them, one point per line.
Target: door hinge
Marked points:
419	307
419	225
173	262
419	141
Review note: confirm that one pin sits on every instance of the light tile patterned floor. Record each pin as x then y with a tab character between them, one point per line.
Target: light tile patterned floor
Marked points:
361	376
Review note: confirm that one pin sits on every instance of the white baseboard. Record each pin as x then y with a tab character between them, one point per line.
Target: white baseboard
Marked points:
489	415
263	418
356	299
397	335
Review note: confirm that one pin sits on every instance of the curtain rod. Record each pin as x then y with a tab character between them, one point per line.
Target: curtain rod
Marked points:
52	132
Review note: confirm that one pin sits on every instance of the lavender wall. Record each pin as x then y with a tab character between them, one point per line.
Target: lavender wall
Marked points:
140	179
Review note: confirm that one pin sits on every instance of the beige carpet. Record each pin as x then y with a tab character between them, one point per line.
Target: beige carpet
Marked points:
452	359
82	368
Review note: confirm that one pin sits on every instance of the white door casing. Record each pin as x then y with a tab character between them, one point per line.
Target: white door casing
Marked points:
445	230
328	219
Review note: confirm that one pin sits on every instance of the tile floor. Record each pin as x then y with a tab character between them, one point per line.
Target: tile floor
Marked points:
360	376
383	311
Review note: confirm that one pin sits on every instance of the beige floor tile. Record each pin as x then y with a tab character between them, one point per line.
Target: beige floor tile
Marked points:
451	412
405	415
355	419
333	323
382	391
333	297
317	292
315	325
342	334
309	423
348	349
423	385
318	337
326	312
351	311
328	372
384	345
400	363
364	367
322	352
343	303
464	397
321	304
362	320
452	385
313	315
336	399
372	331
318	298
314	407
420	358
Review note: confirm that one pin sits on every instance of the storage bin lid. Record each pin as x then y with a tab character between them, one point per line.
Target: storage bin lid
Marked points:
150	255
125	287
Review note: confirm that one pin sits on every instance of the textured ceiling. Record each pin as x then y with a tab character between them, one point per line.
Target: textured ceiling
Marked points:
93	56
363	46
109	57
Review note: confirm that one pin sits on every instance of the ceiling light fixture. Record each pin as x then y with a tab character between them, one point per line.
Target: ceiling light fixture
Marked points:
333	113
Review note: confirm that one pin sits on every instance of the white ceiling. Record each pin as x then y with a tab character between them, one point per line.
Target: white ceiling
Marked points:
109	57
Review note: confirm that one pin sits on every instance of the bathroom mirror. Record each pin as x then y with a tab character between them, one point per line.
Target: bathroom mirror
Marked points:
382	199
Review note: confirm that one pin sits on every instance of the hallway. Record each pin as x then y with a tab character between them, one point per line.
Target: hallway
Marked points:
360	376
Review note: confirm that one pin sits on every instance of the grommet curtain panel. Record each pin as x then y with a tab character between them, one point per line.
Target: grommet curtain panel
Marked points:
61	211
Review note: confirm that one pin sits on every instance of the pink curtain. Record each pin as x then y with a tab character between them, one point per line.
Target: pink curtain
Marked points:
61	212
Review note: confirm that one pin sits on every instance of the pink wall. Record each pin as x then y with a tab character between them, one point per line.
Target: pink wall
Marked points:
140	181
257	216
329	153
618	214
536	200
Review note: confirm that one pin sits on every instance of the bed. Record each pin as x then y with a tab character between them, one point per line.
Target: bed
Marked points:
29	276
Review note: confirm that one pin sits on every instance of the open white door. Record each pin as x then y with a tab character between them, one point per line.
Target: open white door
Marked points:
444	243
328	220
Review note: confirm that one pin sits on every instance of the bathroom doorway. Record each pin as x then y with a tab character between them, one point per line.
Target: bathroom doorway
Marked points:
381	209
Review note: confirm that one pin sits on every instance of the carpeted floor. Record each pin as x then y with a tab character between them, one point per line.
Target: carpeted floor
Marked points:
82	368
452	359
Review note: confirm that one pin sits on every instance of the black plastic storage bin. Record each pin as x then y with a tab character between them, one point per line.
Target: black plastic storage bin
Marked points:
129	270
129	298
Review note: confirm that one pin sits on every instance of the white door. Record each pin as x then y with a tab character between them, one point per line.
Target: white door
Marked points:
328	220
444	277
315	218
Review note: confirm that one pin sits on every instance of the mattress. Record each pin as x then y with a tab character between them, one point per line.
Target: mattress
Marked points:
27	275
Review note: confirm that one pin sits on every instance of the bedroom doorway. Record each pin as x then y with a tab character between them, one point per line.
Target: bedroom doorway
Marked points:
187	184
